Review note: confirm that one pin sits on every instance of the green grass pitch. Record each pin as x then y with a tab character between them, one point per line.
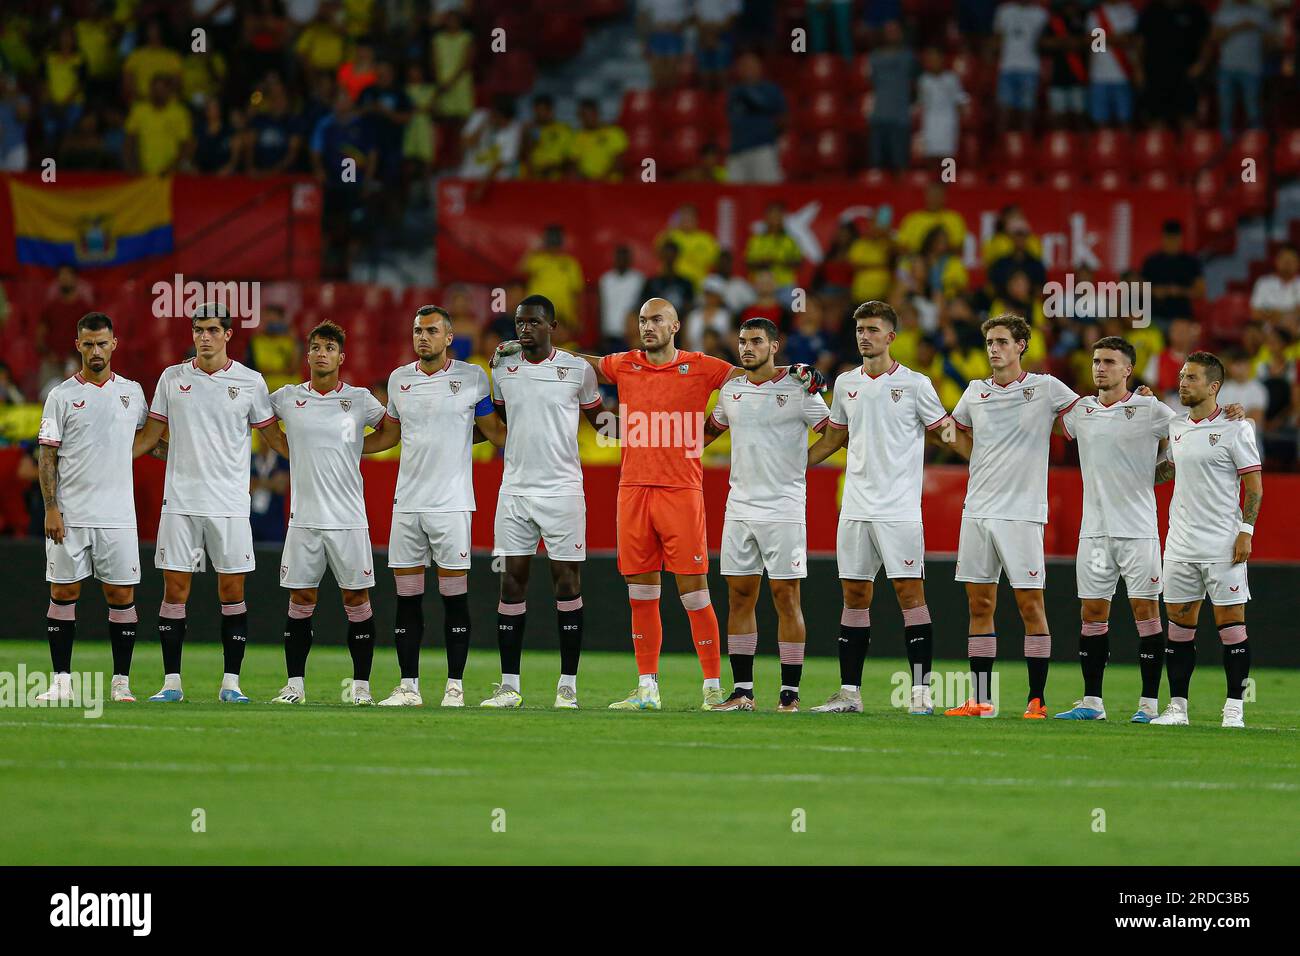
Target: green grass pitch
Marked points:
328	783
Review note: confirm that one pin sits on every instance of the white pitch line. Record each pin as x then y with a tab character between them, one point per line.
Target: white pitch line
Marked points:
237	768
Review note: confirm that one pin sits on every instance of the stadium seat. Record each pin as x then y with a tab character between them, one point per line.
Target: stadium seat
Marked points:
876	178
792	156
1109	149
969	72
855	109
969	150
684	107
830	153
1286	154
1154	149
1011	179
1253	198
1063	180
1250	144
1015	150
822	111
1208	186
642	138
560	37
918	178
1060	151
859	79
1225	317
1217	229
1199	148
823	71
639	106
1158	180
683	148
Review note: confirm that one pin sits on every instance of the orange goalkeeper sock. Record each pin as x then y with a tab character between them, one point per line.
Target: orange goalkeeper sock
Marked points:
647	628
704	632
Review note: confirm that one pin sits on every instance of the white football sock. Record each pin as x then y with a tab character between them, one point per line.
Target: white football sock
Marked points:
649	680
570	681
360	687
411	683
296	685
852	687
171	682
1093	702
712	683
453	682
230	682
511	681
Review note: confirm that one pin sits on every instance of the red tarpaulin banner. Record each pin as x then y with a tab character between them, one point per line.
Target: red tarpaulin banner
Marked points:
483	239
1277	536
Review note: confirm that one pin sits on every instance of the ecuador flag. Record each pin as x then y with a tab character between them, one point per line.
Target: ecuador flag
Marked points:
95	226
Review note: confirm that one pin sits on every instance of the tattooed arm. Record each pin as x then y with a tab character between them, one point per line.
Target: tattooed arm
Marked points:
49	478
1164	467
1254	487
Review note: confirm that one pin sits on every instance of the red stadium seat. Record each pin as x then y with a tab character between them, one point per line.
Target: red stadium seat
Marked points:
1011	179
1208	186
1286	155
969	150
1060	151
830	153
1199	148
1250	144
683	148
1224	318
823	111
1109	149
969	72
638	107
873	178
1253	199
1218	229
1154	149
685	107
918	178
1157	180
792	155
859	79
823	71
855	110
1015	150
1063	180
560	37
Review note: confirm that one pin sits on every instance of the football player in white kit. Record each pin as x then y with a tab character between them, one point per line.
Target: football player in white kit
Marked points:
438	406
540	392
768	413
1210	531
885	413
1006	424
87	438
325	421
207	406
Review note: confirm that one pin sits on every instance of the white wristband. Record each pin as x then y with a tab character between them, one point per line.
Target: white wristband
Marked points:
1247	528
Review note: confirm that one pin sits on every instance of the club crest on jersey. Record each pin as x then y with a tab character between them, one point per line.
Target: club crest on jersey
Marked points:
684	368
1088	409
984	395
853	394
896	394
1214	439
509	368
780	401
233	392
345	403
1028	393
185	388
300	403
80	404
1129	413
406	388
562	373
455	387
126	400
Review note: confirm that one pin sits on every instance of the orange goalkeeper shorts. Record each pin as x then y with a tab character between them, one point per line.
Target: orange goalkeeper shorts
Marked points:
661	529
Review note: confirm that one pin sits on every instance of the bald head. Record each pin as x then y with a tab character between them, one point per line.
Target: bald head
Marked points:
658	323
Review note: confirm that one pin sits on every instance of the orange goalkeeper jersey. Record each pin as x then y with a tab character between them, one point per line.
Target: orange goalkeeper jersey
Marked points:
661	410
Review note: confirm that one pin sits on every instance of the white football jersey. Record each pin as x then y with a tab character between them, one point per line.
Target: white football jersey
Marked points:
1209	457
437	412
769	425
1012	430
93	428
887	416
541	401
210	419
325	434
1119	445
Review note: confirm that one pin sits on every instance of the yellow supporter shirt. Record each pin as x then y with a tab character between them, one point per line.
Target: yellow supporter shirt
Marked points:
915	225
782	252
552	151
63	76
557	276
1002	245
871	273
159	133
321	45
146	62
95	41
449	51
596	152
698	251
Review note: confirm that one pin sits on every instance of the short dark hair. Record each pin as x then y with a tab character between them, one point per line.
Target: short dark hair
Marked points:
545	304
330	331
1172	227
766	326
1119	345
875	309
1210	362
212	310
434	310
1015	324
543	99
94	322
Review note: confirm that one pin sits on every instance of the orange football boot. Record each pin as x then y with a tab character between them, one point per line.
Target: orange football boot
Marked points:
972	708
1035	710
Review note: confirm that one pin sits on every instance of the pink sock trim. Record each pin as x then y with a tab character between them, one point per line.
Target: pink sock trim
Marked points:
1094	628
916	615
359	613
126	615
1179	633
1038	645
230	610
512	609
1148	628
742	644
643	592
1233	635
62	612
409	585
300	612
571	605
451	586
696	600
791	652
856	617
982	646
174	612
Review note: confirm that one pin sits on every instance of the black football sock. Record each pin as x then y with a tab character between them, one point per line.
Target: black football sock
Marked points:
1094	652
791	663
918	635
510	635
234	635
408	630
569	613
1236	658
122	619
1038	655
982	650
855	643
61	628
171	635
740	653
455	628
1151	647
1180	658
297	638
361	640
